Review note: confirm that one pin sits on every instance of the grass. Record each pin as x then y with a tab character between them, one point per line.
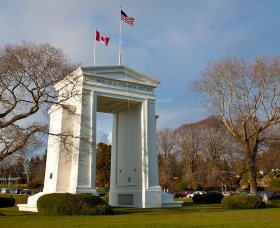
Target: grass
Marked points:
190	215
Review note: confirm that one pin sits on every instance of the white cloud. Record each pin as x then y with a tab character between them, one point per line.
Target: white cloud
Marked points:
171	41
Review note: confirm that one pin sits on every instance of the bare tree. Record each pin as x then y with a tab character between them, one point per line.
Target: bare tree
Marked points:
166	143
246	96
270	158
222	179
197	180
189	145
28	73
6	168
215	147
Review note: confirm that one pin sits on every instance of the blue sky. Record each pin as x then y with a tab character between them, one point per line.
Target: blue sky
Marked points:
171	41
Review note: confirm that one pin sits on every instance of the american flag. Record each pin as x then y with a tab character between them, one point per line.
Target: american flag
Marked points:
127	19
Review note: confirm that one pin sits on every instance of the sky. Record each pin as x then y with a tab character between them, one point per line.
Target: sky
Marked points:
171	41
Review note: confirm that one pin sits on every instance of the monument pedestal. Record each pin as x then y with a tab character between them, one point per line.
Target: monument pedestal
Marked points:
31	203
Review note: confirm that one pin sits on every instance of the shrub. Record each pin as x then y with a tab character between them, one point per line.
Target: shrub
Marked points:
22	186
241	201
106	198
260	188
210	197
72	204
245	177
180	187
34	184
275	182
213	197
7	201
271	175
197	198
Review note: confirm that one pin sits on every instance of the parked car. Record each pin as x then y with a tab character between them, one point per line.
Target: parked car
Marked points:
185	194
5	190
15	191
177	195
25	192
276	195
246	192
101	194
196	192
261	193
226	193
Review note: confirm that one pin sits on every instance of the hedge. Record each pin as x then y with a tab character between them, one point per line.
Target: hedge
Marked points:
214	197
7	201
275	182
242	201
197	198
72	204
210	197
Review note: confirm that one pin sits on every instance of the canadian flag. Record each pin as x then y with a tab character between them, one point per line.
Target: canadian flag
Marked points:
103	39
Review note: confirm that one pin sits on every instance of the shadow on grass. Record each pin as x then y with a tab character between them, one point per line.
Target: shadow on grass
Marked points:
274	204
13	211
188	207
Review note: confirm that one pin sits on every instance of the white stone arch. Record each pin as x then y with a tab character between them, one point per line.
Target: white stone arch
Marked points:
129	96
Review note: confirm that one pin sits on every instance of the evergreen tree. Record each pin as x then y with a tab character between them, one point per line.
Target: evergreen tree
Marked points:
103	165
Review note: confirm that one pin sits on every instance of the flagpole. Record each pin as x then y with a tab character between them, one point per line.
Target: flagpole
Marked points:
94	48
120	43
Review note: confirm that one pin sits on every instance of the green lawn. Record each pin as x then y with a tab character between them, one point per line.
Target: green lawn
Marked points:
190	215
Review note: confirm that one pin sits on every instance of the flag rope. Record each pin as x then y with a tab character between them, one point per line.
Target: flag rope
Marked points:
120	41
94	48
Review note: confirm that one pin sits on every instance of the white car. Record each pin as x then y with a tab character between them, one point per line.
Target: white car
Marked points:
5	190
196	192
226	193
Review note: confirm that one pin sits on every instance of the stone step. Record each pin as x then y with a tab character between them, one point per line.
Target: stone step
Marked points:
27	207
173	204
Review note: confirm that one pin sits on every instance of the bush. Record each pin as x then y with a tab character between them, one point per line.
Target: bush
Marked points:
197	198
271	175
180	187
7	201
210	197
72	204
106	198
35	184
213	197
245	177
275	183
260	188
241	201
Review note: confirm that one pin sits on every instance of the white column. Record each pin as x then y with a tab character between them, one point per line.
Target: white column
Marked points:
50	182
93	139
58	166
87	146
152	145
113	176
152	191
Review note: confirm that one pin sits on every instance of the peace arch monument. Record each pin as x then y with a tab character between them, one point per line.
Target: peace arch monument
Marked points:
129	96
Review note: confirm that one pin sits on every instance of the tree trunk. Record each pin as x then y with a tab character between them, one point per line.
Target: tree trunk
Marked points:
252	178
251	152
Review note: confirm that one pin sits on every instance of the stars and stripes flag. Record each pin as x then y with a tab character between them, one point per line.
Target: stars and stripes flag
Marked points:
127	19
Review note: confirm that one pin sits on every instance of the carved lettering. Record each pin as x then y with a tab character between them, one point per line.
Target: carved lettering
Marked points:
128	85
